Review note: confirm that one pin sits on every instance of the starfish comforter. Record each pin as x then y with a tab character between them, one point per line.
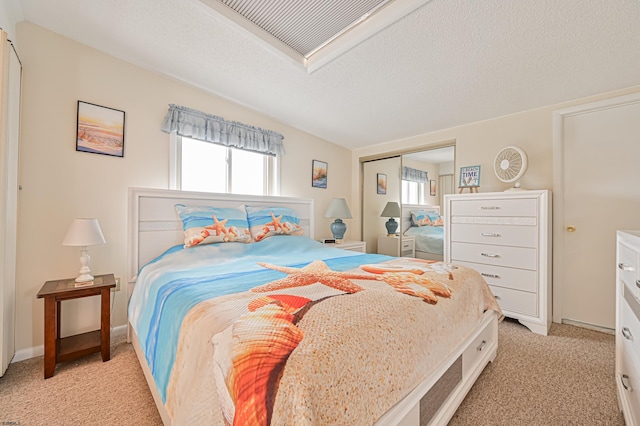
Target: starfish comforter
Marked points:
289	331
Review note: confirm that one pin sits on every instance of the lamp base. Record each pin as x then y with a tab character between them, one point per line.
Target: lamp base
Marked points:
84	278
392	226
338	228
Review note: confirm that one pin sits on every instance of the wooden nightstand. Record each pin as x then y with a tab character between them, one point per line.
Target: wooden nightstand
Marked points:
359	246
59	349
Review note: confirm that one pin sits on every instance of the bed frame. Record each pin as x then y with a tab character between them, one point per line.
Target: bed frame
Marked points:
154	226
406	224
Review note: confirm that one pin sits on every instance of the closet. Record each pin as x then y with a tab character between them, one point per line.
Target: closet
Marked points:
10	76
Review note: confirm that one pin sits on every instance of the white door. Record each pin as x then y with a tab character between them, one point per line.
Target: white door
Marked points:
9	130
599	194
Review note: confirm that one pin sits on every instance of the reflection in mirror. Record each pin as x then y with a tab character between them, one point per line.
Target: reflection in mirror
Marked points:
380	186
426	177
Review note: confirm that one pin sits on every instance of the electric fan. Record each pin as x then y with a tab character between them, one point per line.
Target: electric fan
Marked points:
510	165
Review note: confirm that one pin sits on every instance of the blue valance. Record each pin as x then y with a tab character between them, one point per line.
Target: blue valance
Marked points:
414	175
211	128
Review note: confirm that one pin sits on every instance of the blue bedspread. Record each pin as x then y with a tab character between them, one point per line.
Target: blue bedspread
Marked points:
168	287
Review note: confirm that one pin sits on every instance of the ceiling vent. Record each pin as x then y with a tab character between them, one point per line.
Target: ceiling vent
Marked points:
312	32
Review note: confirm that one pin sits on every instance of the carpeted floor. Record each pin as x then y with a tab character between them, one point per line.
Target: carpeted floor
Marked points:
566	378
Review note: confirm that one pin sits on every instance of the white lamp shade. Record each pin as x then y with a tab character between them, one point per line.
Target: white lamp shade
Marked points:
338	208
84	232
392	209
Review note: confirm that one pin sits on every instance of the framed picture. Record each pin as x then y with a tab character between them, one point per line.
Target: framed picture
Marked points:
381	183
319	174
469	177
432	186
100	130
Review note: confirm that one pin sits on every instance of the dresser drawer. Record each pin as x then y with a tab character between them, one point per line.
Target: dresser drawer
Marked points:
629	328
519	302
512	257
629	388
627	266
500	276
496	207
503	235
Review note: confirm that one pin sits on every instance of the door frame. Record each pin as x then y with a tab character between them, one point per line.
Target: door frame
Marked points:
558	185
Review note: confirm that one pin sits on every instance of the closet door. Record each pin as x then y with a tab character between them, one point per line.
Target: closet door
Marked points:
600	147
10	74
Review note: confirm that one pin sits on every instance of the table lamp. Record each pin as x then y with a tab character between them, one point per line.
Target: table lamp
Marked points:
84	232
338	209
391	210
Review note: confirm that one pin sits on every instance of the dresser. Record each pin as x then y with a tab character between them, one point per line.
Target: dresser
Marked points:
395	246
506	236
628	324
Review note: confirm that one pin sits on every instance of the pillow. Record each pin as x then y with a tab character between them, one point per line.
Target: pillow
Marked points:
207	225
265	222
426	218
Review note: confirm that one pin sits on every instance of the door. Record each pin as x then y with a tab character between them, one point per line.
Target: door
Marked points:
600	193
10	71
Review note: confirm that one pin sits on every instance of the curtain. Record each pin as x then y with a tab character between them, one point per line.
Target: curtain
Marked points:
212	128
414	175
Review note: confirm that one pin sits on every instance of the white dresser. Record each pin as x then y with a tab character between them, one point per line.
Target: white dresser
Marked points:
628	324
506	236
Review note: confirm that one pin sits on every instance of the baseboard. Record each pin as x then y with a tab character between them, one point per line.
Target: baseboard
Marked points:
588	326
35	351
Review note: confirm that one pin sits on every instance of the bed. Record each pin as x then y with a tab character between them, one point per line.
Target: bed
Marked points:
280	330
427	232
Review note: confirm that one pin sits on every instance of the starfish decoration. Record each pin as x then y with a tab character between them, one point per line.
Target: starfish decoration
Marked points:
275	222
315	272
429	289
218	226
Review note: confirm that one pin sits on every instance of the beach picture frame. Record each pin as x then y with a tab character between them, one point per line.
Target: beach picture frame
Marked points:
381	183
319	174
100	130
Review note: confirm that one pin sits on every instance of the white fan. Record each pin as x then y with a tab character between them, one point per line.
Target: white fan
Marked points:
510	165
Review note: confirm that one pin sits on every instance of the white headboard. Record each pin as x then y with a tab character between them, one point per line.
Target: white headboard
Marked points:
406	213
154	225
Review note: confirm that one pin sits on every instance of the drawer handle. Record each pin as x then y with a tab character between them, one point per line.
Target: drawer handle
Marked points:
489	255
638	283
490	234
627	333
484	274
481	346
624	378
489	208
497	297
625	267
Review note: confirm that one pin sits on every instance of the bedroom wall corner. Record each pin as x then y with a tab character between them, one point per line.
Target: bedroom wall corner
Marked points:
60	183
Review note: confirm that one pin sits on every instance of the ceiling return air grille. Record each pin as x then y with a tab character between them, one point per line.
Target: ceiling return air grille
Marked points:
304	26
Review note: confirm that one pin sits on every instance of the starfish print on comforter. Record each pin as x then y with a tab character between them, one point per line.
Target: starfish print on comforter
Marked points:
315	272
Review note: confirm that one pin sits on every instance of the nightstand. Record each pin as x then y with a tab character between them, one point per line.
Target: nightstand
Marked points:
60	349
391	246
359	246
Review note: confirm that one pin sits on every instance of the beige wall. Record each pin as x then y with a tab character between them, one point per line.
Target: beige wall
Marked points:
60	184
478	143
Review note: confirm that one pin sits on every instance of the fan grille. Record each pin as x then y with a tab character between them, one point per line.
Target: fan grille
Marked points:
510	164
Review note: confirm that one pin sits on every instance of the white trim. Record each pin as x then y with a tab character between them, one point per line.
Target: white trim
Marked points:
558	185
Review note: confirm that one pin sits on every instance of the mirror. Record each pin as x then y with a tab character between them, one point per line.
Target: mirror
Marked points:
385	175
426	177
381	185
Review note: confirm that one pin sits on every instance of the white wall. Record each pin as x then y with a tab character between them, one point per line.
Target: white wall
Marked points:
10	14
60	183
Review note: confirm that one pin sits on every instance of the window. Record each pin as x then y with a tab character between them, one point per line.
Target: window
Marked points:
208	167
412	192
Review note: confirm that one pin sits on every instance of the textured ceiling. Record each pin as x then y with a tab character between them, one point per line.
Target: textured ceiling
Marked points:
448	63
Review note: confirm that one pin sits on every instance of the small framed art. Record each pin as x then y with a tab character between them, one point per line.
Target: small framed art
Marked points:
100	130
432	188
469	177
381	183
319	174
